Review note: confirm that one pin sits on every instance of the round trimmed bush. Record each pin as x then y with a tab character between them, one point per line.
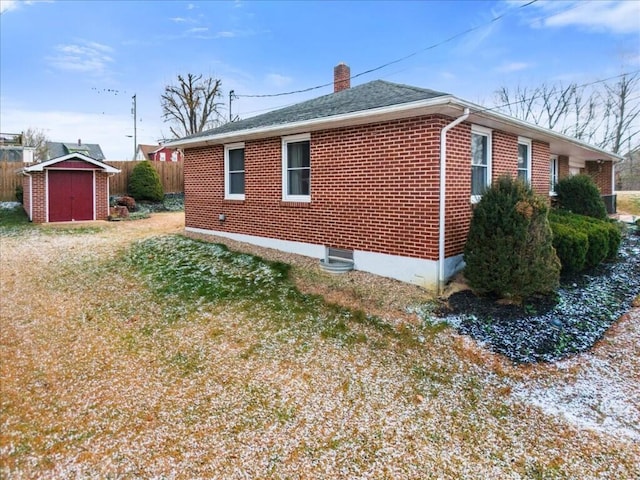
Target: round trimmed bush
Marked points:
578	194
509	250
571	246
144	183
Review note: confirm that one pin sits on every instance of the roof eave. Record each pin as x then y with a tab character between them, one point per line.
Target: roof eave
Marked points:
333	121
445	104
39	167
559	143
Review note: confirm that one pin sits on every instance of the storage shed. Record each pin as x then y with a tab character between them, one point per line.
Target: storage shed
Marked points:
72	187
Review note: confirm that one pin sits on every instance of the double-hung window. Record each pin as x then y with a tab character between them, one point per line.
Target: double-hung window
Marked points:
296	168
553	175
480	161
524	159
234	171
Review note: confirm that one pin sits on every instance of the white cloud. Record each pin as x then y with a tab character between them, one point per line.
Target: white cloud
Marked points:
179	19
191	6
87	57
612	16
8	5
277	80
513	67
197	30
226	34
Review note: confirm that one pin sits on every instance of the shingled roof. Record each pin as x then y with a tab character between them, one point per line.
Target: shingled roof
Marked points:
376	94
60	149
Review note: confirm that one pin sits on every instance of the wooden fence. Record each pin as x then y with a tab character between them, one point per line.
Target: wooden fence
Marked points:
171	176
9	180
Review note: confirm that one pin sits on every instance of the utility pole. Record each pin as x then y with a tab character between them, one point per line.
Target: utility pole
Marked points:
232	95
135	127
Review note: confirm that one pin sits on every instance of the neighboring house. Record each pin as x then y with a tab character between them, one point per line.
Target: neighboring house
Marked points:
13	150
158	153
59	149
382	173
17	154
145	152
72	187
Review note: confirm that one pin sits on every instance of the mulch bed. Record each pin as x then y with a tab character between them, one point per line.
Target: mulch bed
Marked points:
551	328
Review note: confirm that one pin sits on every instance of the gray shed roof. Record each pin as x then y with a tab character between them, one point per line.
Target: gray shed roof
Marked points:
60	149
376	94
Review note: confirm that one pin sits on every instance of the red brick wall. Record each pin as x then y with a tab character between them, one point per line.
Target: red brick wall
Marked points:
39	212
373	187
601	175
505	155
102	195
540	167
563	166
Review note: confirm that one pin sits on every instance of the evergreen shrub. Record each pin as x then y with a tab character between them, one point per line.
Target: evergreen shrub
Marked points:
145	184
509	250
604	238
571	247
579	194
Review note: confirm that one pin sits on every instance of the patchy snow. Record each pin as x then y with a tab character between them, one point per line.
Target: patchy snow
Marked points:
9	205
599	399
597	391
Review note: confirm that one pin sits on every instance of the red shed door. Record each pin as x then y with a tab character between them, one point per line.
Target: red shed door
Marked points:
70	195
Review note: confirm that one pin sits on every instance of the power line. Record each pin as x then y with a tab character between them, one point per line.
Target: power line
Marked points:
398	60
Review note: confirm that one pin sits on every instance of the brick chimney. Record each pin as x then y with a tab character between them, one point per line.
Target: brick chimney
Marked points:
341	77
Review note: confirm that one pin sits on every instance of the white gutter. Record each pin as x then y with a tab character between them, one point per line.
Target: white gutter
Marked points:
443	191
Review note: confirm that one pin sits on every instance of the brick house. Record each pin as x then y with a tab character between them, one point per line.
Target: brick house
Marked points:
382	174
73	187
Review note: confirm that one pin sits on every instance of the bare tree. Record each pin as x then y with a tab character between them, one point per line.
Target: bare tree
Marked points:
191	104
33	137
623	111
606	115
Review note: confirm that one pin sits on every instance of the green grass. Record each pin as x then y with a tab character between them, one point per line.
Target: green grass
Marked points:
196	273
14	222
13	218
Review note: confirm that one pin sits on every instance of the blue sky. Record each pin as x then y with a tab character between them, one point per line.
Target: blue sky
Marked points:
70	68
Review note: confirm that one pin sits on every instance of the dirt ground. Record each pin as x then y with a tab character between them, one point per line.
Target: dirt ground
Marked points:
95	385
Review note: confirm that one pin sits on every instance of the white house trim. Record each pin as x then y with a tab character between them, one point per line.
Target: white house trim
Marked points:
39	167
417	271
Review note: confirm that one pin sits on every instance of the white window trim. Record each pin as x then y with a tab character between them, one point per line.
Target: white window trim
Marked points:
554	160
529	144
227	182
487	132
285	177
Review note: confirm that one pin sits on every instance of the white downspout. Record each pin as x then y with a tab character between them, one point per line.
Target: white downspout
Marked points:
443	190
